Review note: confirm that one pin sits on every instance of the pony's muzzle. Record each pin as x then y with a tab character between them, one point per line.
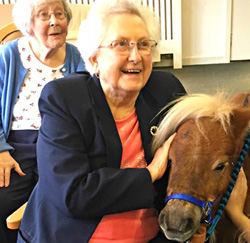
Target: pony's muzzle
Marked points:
179	220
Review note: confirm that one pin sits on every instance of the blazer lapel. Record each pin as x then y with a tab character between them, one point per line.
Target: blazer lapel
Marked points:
106	123
145	116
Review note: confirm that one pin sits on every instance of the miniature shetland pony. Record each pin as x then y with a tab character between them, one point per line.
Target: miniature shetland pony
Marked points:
210	135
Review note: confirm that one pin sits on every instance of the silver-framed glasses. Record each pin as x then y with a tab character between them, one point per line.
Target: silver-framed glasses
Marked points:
123	47
45	15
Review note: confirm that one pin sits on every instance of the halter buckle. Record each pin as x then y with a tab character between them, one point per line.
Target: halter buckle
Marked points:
207	209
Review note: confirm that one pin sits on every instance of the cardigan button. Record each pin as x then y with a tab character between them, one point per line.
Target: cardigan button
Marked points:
64	70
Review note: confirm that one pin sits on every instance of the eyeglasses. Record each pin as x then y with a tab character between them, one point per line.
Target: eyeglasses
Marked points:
44	15
123	47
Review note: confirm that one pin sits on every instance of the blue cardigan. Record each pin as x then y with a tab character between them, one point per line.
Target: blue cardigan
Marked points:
79	154
12	75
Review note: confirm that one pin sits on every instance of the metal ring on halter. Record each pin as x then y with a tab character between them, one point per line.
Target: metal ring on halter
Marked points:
153	130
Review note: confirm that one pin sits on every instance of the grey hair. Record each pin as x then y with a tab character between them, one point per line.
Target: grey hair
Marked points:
93	30
23	11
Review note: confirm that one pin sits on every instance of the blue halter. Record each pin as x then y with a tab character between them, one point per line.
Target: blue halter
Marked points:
206	206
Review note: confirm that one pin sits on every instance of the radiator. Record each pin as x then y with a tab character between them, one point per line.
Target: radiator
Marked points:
169	12
81	1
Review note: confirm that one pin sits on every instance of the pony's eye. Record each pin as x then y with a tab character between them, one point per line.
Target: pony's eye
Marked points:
220	167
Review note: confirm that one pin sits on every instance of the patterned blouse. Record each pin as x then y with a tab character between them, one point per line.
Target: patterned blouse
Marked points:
26	114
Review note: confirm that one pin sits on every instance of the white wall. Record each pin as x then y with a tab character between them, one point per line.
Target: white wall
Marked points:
206	27
5	14
240	46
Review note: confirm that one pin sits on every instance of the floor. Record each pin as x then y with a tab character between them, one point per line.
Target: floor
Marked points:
231	78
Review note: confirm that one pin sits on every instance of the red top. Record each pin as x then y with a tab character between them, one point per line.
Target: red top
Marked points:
138	226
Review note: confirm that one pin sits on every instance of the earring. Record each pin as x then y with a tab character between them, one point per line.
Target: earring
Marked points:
97	75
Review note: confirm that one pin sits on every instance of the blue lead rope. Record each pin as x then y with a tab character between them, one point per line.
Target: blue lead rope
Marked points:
227	194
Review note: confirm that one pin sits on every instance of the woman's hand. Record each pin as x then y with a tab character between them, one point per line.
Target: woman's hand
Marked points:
6	164
235	206
159	163
237	198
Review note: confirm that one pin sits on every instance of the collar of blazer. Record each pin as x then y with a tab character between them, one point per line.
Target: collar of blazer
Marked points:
107	124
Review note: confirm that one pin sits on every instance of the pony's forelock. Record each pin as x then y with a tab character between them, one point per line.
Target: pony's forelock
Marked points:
194	106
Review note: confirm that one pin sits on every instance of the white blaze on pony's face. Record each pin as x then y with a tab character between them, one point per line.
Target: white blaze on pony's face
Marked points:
208	141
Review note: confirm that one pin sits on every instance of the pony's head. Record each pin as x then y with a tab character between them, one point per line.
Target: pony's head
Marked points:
210	133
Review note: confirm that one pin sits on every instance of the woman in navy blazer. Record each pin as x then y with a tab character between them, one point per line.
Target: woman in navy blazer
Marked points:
86	177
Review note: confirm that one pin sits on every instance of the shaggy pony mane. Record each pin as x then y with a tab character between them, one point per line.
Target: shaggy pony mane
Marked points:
217	107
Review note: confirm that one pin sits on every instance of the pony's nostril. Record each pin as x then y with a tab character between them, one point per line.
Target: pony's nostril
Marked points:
184	225
189	225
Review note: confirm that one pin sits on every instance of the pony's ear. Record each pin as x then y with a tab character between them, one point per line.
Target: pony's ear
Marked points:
241	99
240	121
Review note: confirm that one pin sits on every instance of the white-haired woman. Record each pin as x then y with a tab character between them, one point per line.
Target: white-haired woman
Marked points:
98	181
26	65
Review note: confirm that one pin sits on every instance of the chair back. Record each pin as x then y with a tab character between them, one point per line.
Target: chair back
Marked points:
9	32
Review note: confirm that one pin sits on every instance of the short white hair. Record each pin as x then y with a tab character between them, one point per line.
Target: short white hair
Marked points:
92	30
23	11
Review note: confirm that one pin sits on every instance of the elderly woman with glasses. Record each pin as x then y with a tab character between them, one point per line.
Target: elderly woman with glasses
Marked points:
98	181
26	65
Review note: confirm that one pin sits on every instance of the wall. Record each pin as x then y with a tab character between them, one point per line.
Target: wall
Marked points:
206	27
240	46
6	17
206	30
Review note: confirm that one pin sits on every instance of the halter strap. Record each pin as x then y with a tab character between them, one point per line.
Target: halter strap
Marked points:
198	202
205	205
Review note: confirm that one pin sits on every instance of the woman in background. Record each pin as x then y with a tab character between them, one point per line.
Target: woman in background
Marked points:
26	65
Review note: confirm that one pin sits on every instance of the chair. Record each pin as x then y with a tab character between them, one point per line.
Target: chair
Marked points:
14	220
9	32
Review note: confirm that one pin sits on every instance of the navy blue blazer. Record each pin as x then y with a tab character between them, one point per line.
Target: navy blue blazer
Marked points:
79	154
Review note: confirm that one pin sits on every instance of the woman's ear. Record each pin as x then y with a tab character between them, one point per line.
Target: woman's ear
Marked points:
30	31
94	63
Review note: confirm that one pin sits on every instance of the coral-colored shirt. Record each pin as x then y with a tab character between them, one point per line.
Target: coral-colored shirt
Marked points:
137	226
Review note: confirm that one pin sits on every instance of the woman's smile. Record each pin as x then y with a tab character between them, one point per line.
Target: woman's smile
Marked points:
131	71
